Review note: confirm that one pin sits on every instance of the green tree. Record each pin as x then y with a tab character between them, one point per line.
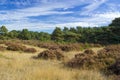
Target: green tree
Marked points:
115	29
44	36
13	34
71	37
57	35
3	30
72	29
115	22
65	29
25	34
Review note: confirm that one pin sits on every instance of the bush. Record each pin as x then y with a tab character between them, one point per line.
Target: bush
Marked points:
117	77
82	60
115	68
47	45
102	60
16	47
2	48
54	48
86	53
51	54
67	46
112	51
70	47
89	52
30	50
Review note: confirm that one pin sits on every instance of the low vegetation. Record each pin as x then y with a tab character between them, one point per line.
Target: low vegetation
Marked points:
2	48
83	60
115	68
100	60
77	68
52	61
19	47
15	47
30	50
51	54
98	35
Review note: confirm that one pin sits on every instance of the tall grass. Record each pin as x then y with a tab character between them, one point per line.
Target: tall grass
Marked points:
29	69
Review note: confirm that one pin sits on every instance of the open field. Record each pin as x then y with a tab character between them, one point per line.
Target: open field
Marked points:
59	39
18	65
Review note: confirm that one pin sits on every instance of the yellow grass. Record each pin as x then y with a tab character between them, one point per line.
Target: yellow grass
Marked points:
21	66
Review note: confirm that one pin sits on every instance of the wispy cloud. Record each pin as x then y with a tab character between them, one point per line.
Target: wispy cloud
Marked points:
47	14
93	6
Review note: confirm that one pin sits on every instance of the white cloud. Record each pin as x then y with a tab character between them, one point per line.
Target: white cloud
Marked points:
20	14
74	24
93	6
109	15
19	18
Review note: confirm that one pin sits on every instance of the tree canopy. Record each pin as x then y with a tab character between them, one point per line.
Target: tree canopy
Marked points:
102	35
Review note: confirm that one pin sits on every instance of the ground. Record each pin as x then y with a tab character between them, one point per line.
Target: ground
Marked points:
17	65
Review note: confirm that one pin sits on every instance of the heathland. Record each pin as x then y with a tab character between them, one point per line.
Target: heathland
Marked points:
68	54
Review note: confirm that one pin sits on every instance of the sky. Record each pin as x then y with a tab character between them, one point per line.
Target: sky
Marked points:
45	15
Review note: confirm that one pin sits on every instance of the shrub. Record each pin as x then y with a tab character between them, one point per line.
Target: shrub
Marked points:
89	52
30	50
54	48
117	77
47	45
51	54
115	68
16	47
70	47
67	46
86	53
2	41
2	48
82	60
108	55
102	60
112	51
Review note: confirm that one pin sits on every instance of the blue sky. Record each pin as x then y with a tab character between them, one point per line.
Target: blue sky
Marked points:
45	15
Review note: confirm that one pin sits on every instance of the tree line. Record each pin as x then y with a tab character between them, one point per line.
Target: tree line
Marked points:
101	35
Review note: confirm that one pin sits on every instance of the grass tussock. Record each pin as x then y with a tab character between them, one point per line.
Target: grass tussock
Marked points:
2	48
82	60
52	45
15	47
115	68
61	74
51	54
43	70
21	66
30	50
100	60
19	47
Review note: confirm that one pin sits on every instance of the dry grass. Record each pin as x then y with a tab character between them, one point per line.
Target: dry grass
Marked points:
29	69
16	65
15	69
100	60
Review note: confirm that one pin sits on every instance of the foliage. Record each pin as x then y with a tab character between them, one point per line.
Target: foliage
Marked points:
19	47
57	35
30	50
96	35
3	30
15	47
25	34
51	54
115	68
100	60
